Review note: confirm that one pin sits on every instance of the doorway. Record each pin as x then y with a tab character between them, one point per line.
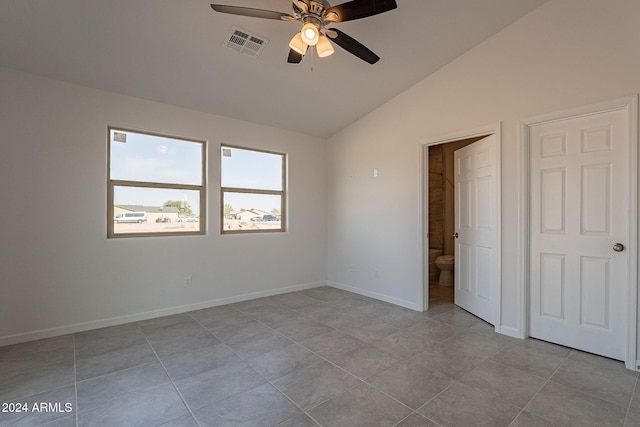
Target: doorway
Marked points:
440	223
441	196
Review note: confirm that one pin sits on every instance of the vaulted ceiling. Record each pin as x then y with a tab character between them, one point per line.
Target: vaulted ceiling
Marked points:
172	52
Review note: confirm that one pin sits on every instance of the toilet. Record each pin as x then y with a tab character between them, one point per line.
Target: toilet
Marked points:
446	264
434	272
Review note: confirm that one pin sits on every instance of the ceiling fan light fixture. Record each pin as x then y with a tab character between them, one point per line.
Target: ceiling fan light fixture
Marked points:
324	47
310	34
298	45
314	16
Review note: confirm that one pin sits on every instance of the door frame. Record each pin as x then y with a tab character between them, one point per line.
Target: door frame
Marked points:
630	104
423	226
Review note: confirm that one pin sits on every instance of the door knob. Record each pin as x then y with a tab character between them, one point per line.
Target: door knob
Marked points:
454	235
618	247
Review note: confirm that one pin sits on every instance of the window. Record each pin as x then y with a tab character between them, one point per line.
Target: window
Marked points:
252	190
156	185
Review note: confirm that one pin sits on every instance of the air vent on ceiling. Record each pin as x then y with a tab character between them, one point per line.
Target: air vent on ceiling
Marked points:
244	42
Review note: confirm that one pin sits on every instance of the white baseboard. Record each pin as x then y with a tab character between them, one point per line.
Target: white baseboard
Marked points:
114	321
510	332
396	301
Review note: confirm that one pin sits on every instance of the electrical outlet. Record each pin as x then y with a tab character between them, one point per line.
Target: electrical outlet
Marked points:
187	282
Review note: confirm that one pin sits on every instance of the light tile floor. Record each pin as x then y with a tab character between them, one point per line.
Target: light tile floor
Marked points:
316	357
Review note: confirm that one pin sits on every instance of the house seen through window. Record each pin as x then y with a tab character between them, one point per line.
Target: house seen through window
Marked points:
156	184
253	190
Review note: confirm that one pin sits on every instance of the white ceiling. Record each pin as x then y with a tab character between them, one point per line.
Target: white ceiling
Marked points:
172	51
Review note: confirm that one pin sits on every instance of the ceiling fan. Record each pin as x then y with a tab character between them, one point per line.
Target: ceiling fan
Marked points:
315	15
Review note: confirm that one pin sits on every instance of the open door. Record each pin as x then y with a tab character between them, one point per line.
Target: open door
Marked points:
476	228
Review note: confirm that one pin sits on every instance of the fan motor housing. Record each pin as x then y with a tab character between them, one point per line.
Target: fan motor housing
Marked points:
315	20
318	7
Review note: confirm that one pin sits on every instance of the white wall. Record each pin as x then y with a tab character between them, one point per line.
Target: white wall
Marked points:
565	54
58	271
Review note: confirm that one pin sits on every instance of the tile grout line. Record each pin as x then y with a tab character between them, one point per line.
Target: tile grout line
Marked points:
400	361
564	360
251	316
53	387
543	385
270	382
562	364
512	367
418	415
635	388
305	412
457	380
321	357
267	381
246	361
364	381
573	350
169	377
432	399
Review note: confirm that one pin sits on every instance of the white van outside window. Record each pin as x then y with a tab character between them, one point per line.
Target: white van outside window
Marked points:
131	217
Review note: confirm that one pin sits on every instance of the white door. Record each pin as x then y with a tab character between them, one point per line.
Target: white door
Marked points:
476	225
579	209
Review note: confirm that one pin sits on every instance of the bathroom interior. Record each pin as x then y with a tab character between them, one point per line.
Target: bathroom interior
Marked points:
442	220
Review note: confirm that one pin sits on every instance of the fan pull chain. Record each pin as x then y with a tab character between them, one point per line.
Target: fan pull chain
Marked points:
312	57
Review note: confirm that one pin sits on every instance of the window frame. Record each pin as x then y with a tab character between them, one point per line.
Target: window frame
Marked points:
246	190
112	183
